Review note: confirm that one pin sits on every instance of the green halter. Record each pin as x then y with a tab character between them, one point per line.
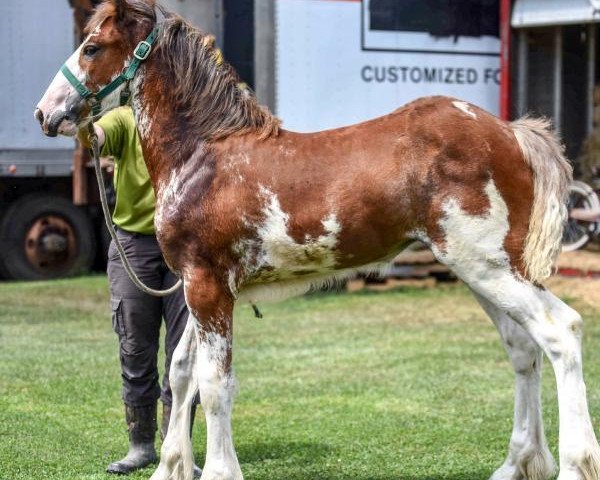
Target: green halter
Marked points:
140	53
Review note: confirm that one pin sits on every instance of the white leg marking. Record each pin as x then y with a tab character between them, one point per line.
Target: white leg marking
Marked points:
556	328
176	457
217	388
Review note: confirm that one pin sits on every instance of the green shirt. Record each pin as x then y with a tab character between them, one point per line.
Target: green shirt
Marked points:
134	208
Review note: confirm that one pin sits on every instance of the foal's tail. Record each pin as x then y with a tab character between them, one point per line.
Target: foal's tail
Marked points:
552	175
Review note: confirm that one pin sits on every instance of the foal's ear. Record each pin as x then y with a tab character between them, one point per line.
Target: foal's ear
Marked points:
121	7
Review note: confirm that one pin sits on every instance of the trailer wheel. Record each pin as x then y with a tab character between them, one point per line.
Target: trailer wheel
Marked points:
43	237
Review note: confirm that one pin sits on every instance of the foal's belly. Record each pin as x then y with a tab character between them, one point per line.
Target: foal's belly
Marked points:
286	268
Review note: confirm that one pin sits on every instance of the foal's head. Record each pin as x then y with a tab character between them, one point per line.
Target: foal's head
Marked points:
112	35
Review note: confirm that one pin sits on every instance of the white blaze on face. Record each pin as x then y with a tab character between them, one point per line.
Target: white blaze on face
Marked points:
60	90
56	98
96	31
466	108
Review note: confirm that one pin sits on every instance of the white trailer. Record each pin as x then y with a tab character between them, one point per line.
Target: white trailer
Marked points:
42	233
49	217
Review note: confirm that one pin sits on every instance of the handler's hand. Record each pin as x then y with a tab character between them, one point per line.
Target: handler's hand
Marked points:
83	135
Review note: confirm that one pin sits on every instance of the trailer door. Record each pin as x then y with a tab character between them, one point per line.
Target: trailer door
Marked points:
36	37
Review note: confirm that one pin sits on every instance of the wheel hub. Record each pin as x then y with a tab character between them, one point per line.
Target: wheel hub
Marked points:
50	244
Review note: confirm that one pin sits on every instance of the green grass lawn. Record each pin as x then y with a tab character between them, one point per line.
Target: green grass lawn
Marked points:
408	384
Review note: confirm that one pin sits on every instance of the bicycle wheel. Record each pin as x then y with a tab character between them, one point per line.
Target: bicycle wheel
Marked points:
577	233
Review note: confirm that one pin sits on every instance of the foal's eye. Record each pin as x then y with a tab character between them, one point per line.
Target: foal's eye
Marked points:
90	50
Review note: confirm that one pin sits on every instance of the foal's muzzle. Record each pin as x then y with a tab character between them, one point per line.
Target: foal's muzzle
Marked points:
39	116
58	122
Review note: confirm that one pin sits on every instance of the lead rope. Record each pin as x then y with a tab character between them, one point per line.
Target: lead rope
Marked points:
134	278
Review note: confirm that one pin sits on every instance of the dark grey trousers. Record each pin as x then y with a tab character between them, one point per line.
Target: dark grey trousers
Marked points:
137	317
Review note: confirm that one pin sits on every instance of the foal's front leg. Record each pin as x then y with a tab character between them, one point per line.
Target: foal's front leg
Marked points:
212	306
176	457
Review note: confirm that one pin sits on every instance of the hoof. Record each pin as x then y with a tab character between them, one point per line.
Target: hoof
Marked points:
507	472
581	466
569	475
531	465
221	474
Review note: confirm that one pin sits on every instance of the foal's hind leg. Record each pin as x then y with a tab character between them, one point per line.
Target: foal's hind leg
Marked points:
176	457
528	454
473	246
557	329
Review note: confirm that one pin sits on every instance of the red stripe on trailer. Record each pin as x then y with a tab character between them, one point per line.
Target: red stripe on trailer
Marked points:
346	1
505	59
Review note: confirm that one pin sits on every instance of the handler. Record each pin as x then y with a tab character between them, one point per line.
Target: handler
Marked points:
137	316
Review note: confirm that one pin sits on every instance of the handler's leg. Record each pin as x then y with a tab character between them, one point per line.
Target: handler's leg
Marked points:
528	455
136	319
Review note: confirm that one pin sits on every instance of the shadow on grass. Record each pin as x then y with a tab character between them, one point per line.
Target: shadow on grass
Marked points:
302	460
298	451
321	475
478	475
330	473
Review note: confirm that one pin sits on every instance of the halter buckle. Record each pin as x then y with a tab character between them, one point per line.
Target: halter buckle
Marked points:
95	105
142	50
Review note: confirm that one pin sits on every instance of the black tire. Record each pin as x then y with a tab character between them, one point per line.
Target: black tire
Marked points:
44	237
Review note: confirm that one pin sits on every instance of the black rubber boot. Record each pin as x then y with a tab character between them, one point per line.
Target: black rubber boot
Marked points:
164	428
141	422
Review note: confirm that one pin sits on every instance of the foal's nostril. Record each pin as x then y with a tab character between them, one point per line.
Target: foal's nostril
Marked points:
39	116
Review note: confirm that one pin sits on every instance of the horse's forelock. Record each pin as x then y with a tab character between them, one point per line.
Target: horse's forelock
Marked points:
101	13
136	10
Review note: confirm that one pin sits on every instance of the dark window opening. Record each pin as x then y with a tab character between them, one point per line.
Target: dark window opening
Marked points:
439	18
574	88
239	37
540	72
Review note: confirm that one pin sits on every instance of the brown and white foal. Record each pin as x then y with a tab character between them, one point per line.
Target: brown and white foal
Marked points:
248	211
